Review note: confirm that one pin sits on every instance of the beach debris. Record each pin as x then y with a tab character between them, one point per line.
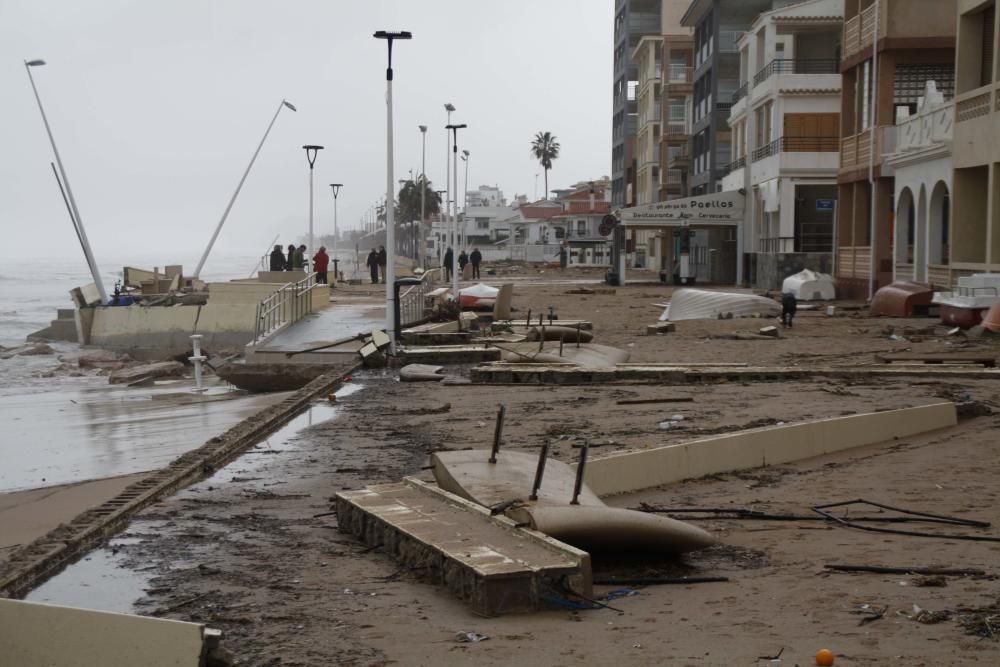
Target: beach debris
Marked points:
699	304
771	331
926	616
934	571
824	657
809	285
660	328
371	351
104	359
657	581
870	613
824	510
29	350
664	399
567	334
470	637
981	621
159	369
479	295
421	373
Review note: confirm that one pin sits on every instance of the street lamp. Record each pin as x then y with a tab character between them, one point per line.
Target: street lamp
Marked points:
390	237
232	200
448	107
465	199
421	243
77	222
311	152
336	191
454	158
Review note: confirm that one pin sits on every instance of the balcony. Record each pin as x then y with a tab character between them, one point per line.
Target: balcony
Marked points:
974	104
856	150
679	74
738	163
859	31
796	66
797	145
740	93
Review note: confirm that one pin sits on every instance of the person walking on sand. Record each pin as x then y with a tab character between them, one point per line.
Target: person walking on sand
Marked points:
449	258
476	258
290	259
382	260
463	259
320	263
277	259
372	264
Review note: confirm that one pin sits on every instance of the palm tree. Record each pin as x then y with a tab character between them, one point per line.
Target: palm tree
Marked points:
409	199
545	149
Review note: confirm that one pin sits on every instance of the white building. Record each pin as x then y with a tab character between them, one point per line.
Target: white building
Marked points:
785	123
922	165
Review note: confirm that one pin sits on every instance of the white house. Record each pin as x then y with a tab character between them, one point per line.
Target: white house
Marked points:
785	122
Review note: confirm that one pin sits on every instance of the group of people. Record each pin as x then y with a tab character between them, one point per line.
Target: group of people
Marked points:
376	264
475	258
295	260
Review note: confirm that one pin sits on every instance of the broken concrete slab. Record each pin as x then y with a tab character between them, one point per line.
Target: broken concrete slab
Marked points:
501	307
487	561
160	369
421	373
33	634
771	331
625	472
556	332
660	328
447	354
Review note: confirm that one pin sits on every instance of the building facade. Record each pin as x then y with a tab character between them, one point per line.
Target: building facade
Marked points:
975	241
676	91
785	146
891	49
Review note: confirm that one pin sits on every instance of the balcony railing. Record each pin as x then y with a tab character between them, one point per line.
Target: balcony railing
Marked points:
856	150
972	107
680	74
741	92
859	31
797	145
796	66
738	163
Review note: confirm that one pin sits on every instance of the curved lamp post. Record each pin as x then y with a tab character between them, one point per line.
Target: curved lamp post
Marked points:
232	200
74	211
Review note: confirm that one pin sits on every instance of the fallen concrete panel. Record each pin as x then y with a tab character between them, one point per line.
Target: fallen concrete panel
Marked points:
484	560
43	635
586	325
447	354
563	374
631	471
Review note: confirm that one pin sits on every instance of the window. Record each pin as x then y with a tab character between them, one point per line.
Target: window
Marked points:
560	233
482	223
581	227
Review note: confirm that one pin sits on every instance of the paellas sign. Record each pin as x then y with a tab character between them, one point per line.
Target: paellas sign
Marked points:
718	208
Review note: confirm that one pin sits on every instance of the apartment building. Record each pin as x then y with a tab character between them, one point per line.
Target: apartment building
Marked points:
785	146
891	49
633	20
676	90
717	26
578	227
975	239
647	57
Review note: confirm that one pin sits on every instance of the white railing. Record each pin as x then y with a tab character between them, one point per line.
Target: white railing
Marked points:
287	305
412	301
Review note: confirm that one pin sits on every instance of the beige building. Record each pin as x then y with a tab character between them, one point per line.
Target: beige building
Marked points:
975	245
891	49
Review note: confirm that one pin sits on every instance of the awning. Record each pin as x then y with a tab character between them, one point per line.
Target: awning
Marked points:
721	208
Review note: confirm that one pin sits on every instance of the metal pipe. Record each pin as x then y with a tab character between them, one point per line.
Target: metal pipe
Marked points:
539	471
580	467
498	433
873	144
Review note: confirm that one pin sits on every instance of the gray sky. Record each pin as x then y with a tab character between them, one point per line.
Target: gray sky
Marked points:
157	106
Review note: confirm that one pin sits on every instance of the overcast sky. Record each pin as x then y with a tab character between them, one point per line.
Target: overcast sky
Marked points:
157	106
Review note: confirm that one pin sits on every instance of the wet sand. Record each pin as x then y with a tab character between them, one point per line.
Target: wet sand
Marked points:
245	552
27	515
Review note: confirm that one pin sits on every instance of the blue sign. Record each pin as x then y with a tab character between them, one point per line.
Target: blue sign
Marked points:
825	204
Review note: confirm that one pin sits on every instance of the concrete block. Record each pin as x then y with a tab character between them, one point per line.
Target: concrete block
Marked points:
625	472
771	331
42	635
660	328
501	307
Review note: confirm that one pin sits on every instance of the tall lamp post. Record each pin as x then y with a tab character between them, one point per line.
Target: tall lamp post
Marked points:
448	107
421	243
465	198
390	237
336	191
77	222
311	153
442	236
232	200
454	158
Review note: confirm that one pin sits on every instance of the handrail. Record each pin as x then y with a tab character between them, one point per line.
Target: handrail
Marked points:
287	305
411	302
796	66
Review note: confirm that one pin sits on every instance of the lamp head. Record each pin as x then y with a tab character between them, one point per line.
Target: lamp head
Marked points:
386	34
466	154
449	106
289	105
423	128
34	63
455	127
336	188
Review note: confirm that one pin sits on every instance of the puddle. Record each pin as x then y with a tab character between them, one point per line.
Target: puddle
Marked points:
98	581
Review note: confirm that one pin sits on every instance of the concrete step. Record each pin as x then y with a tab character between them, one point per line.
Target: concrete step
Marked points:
487	561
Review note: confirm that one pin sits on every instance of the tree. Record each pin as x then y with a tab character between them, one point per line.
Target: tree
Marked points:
409	199
545	149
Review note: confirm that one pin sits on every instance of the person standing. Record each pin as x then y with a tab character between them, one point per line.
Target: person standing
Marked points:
277	259
449	258
320	263
463	259
382	260
372	264
299	262
476	258
290	259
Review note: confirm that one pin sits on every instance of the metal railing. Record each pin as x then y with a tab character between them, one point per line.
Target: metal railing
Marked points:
738	163
412	302
796	66
797	145
287	305
741	92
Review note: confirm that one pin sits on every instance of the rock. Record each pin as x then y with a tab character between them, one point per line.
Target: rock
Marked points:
35	349
771	331
105	359
159	369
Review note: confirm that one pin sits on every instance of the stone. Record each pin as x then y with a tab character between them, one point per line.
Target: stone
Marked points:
159	369
36	349
771	331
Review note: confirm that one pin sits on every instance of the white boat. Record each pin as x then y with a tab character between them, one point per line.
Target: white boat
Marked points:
809	285
699	304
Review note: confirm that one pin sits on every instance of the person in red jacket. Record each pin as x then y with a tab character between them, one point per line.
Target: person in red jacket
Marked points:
320	263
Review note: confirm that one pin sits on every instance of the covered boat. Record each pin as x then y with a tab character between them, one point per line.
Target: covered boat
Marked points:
477	296
969	302
903	298
700	304
809	285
